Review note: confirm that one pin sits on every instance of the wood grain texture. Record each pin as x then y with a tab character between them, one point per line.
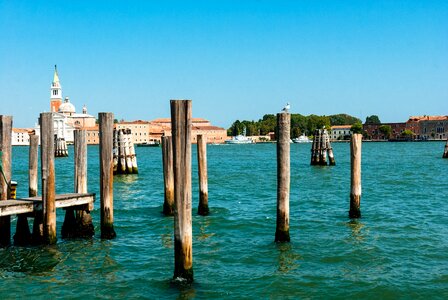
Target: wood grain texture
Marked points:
355	178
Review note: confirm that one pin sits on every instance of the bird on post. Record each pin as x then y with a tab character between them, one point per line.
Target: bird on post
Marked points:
287	107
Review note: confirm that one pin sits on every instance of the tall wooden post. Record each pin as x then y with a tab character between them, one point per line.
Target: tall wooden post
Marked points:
23	234
38	225
5	175
106	127
48	177
183	237
445	152
283	176
203	209
168	176
355	188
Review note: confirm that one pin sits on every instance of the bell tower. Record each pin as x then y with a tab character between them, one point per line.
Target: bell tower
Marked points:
56	92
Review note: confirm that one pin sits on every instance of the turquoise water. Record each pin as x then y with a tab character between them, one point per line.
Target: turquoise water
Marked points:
398	249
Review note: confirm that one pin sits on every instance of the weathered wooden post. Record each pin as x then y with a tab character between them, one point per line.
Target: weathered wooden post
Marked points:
121	153
330	152
5	176
283	176
183	237
323	143
23	234
445	153
202	173
106	126
313	149
132	154
168	176
127	150
48	177
355	188
115	151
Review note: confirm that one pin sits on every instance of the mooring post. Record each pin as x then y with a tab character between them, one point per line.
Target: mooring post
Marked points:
48	177
355	189
132	154
106	126
283	176
5	175
38	225
203	209
313	149
183	237
445	152
330	151
23	234
168	176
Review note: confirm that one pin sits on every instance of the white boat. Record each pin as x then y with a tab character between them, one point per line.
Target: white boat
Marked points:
302	139
239	139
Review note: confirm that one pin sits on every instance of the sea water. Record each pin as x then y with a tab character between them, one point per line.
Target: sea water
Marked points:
398	249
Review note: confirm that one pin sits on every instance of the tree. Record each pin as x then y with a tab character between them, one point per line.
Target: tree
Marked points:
343	119
373	119
356	128
386	130
407	134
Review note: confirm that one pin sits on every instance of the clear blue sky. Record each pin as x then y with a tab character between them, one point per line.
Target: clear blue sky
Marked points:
234	59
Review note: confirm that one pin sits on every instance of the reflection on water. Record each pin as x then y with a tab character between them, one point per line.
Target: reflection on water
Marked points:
185	290
204	223
287	259
167	237
357	232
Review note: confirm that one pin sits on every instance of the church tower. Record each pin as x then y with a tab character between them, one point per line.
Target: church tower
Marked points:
56	92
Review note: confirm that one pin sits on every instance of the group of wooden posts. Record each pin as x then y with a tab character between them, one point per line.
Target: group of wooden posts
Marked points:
320	148
445	152
77	222
125	160
60	147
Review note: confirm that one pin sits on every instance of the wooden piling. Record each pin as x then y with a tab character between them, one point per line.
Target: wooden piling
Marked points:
168	176
355	189
283	176
132	154
5	175
445	153
203	209
330	151
127	150
115	151
48	177
183	237
23	235
121	152
106	125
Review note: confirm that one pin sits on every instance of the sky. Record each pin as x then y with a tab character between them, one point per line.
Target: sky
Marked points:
234	59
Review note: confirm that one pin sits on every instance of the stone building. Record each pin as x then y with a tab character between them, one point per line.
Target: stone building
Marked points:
340	132
429	127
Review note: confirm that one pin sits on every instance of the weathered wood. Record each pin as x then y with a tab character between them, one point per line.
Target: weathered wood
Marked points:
168	176
121	153
330	152
23	235
183	237
314	149
355	188
115	151
132	154
202	173
445	152
48	177
106	126
283	176
5	175
127	150
323	151
34	204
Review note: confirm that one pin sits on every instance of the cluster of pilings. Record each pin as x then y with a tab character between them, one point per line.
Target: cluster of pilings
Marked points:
320	148
125	160
60	147
445	152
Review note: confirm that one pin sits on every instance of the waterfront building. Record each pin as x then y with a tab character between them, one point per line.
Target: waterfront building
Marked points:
340	132
372	131
429	127
21	136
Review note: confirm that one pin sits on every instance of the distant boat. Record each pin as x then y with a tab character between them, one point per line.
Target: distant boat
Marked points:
151	143
239	139
302	139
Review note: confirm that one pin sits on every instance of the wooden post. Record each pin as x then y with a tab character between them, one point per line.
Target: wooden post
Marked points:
330	152
23	234
115	151
323	143
168	176
132	154
106	126
127	150
445	153
121	152
202	173
283	177
38	225
5	175
183	237
355	189
48	177
314	148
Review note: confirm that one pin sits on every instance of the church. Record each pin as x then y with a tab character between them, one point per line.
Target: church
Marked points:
65	117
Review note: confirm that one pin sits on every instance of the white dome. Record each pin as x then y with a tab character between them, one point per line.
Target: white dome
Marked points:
67	107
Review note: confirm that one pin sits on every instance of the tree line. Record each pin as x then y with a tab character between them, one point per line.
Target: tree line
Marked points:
300	124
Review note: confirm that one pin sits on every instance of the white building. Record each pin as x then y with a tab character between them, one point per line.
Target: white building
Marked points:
340	132
20	136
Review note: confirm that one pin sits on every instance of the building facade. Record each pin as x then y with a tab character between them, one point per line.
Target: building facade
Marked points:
429	127
340	132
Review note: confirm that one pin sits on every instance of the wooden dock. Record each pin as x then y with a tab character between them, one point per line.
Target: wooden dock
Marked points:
34	204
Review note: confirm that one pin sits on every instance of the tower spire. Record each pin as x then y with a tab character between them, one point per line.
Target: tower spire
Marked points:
55	77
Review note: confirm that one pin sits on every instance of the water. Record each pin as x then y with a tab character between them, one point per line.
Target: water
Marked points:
399	249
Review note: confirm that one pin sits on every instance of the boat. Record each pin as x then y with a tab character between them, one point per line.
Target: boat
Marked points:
239	139
151	143
302	139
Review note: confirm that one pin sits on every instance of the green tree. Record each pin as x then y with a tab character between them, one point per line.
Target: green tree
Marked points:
343	119
356	128
386	130
407	134
373	119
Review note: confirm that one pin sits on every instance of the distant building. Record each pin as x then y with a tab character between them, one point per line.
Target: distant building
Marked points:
429	127
340	132
21	136
373	131
65	118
